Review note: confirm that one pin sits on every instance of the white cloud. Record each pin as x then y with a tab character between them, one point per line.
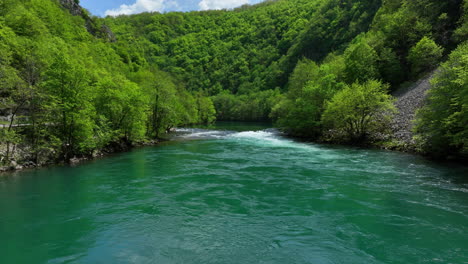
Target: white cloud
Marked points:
138	7
221	4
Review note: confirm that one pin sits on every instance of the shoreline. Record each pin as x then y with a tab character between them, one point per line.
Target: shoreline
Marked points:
121	147
112	148
392	144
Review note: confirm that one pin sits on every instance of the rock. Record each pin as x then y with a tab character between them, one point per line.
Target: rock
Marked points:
409	100
73	6
108	34
29	164
94	29
96	153
74	161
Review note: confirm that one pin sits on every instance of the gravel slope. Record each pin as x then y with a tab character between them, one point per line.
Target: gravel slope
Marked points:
409	100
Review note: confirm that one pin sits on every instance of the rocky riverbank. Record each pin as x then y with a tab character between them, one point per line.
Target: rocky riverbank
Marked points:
23	159
409	99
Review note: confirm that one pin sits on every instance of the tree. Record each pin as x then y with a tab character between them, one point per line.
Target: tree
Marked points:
358	110
206	110
389	67
441	125
120	103
361	62
461	33
70	105
300	111
227	106
424	56
305	71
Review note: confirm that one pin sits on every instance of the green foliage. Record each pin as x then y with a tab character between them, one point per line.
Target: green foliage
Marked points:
305	71
395	45
424	56
390	68
69	101
122	107
75	93
206	110
357	110
11	138
461	33
442	124
24	22
361	62
247	107
250	48
77	87
300	111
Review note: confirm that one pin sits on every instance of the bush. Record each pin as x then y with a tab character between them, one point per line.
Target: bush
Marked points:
441	125
358	110
361	62
424	56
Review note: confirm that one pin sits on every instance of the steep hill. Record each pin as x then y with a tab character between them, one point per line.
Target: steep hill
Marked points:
252	48
65	91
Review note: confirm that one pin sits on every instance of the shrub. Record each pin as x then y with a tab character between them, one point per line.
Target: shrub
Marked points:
424	56
358	110
441	125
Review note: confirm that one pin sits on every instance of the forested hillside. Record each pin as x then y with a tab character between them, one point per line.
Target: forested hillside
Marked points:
248	52
66	92
72	84
322	69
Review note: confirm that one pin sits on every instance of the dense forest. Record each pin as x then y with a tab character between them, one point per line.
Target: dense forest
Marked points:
66	91
73	84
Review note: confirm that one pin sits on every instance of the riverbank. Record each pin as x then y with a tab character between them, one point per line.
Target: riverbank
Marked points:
22	155
399	136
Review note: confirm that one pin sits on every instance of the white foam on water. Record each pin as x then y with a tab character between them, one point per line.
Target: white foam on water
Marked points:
197	133
270	138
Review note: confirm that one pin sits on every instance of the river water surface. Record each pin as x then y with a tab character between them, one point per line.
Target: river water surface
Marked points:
238	194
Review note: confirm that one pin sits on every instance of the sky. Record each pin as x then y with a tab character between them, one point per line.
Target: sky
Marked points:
126	7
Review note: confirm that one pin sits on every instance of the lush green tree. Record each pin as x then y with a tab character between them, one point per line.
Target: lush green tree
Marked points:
121	106
206	110
442	124
357	110
361	62
253	106
69	100
461	33
300	111
24	22
305	71
389	67
226	105
424	56
302	116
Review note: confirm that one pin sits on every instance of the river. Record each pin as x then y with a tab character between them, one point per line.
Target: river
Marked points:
238	193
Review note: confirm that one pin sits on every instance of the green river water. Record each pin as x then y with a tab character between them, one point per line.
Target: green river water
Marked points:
242	194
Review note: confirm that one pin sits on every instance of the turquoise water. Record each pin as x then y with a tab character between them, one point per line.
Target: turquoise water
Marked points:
243	194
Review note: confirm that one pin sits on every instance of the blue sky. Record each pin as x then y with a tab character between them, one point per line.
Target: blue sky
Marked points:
117	7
